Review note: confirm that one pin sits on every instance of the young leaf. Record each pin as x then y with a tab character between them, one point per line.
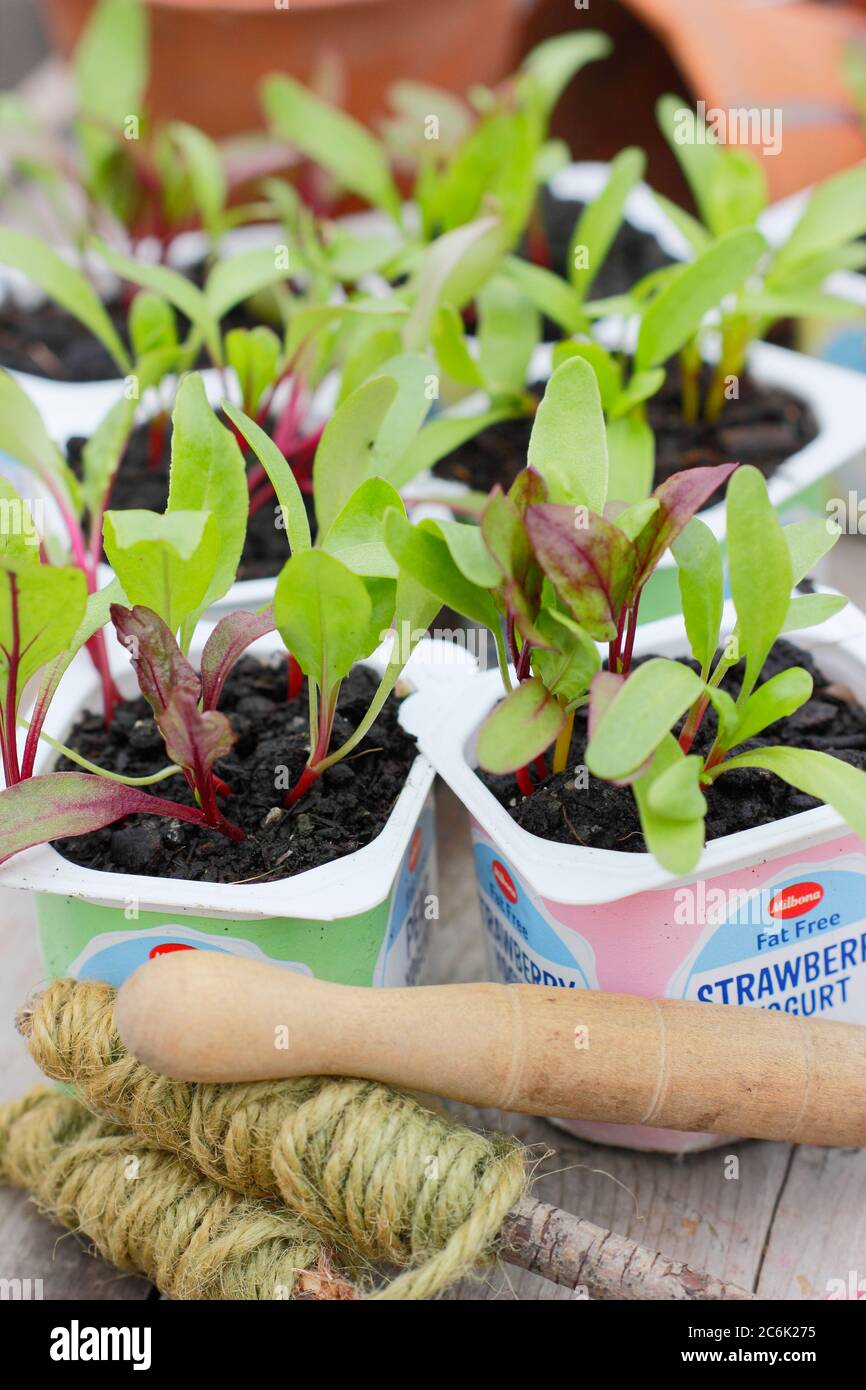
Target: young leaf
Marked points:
607	368
702	588
356	536
281	477
676	844
24	437
230	638
809	610
590	562
835	213
208	474
775	699
440	437
601	219
826	778
568	444
551	295
332	139
65	285
152	324
412	372
679	497
631	453
516	570
424	556
808	542
675	794
41	607
322	611
570	661
521	727
204	167
453	270
41	809
19	538
469	552
550	65
165	563
169	284
761	591
509	329
345	451
650	702
674	316
239	277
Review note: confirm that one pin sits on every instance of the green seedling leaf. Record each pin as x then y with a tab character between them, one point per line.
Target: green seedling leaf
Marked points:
676	844
808	542
834	214
738	193
631	453
590	562
152	324
810	610
356	536
413	374
165	563
345	455
240	277
450	346
689	228
41	607
569	661
208	474
322	612
509	330
675	794
282	479
568	444
110	66
332	139
425	556
521	727
24	437
169	284
601	219
469	553
775	699
549	67
761	591
65	286
608	370
642	386
19	538
253	355
695	148
453	270
727	712
550	294
702	588
826	778
650	702
204	167
674	316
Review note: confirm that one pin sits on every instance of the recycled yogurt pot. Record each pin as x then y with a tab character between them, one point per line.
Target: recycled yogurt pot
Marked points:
361	919
773	917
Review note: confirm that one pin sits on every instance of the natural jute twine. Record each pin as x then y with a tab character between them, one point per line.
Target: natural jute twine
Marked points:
148	1212
376	1173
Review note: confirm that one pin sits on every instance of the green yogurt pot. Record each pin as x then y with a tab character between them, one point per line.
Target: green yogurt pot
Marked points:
363	919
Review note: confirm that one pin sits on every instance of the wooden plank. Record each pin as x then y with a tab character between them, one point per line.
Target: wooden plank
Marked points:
819	1231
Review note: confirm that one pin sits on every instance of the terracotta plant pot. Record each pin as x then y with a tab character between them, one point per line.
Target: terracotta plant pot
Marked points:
208	56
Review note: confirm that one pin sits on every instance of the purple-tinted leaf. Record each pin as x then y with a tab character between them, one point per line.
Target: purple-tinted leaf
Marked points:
505	535
194	740
528	490
590	562
159	663
226	644
679	498
73	803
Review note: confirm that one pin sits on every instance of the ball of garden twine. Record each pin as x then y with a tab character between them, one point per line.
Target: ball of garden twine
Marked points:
377	1173
147	1212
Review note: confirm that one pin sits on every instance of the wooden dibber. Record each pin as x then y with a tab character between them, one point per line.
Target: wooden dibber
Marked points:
203	1016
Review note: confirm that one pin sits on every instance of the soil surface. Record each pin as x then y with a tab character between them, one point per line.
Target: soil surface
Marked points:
764	427
47	341
139	484
633	254
342	812
605	817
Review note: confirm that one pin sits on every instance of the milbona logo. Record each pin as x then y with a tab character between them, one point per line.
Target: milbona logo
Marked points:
504	880
113	956
792	902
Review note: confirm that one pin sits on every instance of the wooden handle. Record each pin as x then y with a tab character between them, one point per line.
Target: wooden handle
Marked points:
577	1054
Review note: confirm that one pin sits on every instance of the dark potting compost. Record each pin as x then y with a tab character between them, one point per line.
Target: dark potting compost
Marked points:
763	427
633	254
143	482
343	811
602	816
47	341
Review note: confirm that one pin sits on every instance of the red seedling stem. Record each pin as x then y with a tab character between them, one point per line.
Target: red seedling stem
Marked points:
524	781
